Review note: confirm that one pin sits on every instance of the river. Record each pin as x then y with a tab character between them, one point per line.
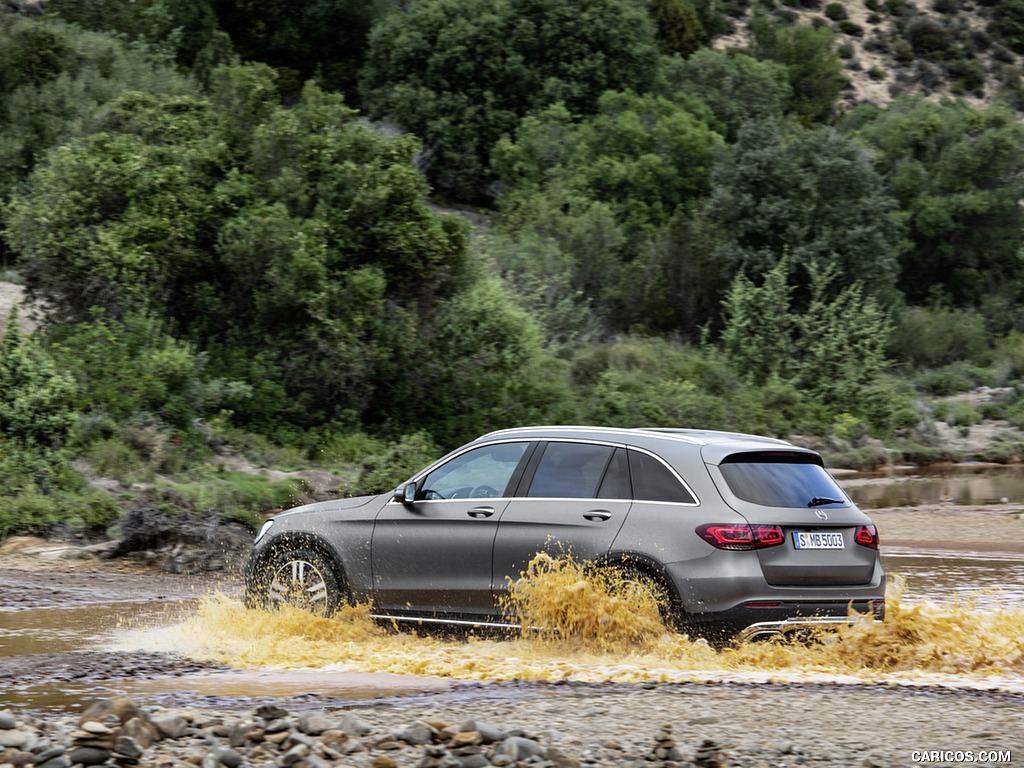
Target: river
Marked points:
956	617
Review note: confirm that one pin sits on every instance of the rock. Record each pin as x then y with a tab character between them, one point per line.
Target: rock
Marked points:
95	728
7	721
296	754
517	748
353	726
709	755
16	757
466	739
561	759
120	709
334	736
14	737
278	725
271	712
89	755
417	734
141	731
489	733
314	723
49	753
170	726
381	761
126	746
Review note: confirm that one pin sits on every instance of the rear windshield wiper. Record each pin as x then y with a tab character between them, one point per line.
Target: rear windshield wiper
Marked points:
818	501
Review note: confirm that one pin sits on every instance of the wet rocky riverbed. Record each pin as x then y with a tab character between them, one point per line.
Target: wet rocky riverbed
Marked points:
81	681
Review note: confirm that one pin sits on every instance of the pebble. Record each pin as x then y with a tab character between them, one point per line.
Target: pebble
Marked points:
270	737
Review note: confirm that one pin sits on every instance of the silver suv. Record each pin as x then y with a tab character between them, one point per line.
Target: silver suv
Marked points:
743	534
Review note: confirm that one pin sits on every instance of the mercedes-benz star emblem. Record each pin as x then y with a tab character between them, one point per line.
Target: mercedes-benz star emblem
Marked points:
821	514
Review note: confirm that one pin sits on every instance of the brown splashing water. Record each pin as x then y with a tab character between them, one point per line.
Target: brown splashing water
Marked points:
606	634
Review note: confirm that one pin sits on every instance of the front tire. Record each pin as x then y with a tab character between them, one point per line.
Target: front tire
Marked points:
300	577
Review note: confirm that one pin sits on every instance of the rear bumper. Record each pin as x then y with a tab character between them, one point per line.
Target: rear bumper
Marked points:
758	620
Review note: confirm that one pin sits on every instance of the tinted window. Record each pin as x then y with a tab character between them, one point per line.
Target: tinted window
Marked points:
615	484
653	481
481	472
570	470
780	480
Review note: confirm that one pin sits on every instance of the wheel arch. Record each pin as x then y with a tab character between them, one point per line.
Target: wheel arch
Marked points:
653	570
302	539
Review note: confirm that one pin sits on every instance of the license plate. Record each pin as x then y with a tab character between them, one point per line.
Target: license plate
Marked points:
817	540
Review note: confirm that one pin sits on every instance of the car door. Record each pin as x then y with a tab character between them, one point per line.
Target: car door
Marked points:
432	557
576	498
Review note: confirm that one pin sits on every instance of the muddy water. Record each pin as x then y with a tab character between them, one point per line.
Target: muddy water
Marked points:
602	637
957	618
935	485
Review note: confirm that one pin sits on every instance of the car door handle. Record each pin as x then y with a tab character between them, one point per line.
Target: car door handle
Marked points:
481	512
597	514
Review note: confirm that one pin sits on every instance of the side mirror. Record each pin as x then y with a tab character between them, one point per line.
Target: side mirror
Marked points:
406	494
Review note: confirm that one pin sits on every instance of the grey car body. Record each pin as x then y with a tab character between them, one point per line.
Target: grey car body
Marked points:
743	534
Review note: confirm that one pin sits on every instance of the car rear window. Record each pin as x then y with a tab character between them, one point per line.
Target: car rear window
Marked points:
780	479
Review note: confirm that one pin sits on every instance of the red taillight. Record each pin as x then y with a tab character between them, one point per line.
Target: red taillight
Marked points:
866	536
740	536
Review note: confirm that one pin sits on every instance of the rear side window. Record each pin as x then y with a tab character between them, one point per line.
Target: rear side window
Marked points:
779	479
653	481
570	470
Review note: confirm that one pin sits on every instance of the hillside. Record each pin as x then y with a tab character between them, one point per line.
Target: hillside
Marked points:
936	48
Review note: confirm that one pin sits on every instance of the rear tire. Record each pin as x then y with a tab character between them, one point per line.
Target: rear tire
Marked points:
300	577
627	580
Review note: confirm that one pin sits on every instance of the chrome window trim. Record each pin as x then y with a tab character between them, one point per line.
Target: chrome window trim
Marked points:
559	439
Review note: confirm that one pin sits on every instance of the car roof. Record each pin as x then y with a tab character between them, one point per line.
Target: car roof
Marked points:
696	437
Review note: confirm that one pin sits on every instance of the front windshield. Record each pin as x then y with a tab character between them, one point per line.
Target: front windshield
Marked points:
781	480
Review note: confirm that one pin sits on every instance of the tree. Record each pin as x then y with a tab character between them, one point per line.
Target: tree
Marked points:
55	77
602	190
737	88
301	39
645	156
121	219
35	397
958	175
679	30
834	350
461	73
808	53
182	28
758	333
308	249
814	194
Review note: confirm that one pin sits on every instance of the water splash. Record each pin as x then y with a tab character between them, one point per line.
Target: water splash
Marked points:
604	633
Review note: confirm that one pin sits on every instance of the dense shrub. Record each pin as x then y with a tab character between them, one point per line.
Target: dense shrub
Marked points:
933	337
927	36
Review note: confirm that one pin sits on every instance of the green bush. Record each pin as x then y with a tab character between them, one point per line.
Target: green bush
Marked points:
961	414
112	457
835	11
1009	355
927	36
384	471
949	380
931	337
29	512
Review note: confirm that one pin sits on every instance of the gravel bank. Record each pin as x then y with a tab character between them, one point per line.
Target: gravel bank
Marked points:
542	725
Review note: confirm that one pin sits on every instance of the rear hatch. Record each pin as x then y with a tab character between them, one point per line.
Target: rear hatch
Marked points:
826	539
